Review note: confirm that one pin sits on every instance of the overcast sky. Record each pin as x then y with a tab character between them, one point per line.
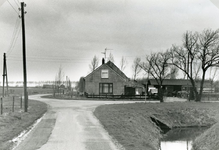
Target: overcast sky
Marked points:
70	32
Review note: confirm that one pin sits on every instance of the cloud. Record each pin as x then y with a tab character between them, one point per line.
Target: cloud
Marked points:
78	30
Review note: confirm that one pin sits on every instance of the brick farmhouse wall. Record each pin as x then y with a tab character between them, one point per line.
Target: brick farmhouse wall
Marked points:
93	80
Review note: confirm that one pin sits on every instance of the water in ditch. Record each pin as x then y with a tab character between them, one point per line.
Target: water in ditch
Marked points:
180	138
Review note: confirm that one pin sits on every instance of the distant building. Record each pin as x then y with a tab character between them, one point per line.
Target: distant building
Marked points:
172	86
48	86
108	79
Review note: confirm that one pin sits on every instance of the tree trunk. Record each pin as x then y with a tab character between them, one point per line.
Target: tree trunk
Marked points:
201	87
160	94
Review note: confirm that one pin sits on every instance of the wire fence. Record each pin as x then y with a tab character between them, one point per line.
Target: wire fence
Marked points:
11	104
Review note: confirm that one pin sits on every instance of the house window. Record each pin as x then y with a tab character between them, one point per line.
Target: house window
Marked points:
104	74
106	88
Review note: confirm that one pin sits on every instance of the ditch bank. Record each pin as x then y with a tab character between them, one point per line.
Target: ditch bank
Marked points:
136	126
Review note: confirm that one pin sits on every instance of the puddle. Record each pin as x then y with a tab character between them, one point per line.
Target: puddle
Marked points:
180	138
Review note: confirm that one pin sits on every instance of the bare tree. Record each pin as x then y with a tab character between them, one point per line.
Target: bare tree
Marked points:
212	75
123	63
157	66
173	72
111	58
204	48
196	70
94	63
136	67
60	76
59	80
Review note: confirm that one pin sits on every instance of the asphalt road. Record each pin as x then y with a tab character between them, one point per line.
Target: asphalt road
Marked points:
69	125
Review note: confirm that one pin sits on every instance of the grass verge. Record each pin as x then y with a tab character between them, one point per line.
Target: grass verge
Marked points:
13	123
131	125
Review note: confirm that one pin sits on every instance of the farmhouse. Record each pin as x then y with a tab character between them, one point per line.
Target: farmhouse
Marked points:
108	79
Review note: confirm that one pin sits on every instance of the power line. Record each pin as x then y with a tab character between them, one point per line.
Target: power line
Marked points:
12	7
14	36
14	42
50	60
51	57
55	61
17	3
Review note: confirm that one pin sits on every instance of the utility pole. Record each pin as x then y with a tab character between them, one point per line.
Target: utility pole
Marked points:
24	57
5	75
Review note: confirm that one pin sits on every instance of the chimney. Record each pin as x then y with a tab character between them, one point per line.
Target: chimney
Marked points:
103	61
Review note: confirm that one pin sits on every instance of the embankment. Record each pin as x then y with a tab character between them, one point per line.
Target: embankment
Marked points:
133	125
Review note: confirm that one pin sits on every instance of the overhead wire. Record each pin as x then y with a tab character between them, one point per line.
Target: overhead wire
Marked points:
17	3
13	7
55	59
14	42
50	59
14	36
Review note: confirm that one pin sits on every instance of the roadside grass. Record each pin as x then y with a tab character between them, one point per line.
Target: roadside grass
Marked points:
13	123
131	124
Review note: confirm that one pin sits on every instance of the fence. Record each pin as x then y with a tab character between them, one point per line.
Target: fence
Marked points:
11	104
116	96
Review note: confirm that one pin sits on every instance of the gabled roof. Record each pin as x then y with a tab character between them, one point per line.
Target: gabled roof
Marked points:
113	67
116	69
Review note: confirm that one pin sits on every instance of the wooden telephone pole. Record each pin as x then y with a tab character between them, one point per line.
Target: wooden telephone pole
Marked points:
24	57
5	75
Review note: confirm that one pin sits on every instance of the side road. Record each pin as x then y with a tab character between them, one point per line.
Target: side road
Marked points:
69	125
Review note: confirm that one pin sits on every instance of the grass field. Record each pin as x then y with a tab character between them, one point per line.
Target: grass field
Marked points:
31	90
131	125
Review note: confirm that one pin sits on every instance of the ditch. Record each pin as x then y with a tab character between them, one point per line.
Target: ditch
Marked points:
180	138
177	138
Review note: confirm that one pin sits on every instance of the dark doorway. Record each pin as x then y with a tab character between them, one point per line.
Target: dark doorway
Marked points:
129	91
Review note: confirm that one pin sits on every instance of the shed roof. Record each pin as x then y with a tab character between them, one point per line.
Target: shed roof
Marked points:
171	82
183	82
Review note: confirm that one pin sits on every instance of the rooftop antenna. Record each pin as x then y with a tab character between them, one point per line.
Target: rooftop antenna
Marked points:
106	49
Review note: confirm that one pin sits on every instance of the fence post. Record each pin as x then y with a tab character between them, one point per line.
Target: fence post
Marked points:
21	102
13	105
1	105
